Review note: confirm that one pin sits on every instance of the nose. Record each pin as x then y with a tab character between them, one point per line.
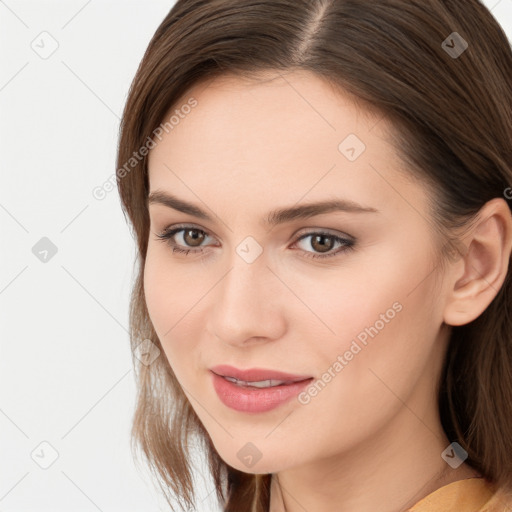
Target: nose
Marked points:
248	304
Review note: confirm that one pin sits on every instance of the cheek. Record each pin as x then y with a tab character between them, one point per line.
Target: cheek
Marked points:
170	290
158	292
175	296
377	314
372	295
385	339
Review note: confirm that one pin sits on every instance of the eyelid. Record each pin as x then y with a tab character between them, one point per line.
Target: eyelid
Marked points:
324	231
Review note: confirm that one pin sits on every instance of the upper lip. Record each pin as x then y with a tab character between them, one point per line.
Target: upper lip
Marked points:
256	374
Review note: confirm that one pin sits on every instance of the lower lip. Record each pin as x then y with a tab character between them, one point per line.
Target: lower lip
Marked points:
251	399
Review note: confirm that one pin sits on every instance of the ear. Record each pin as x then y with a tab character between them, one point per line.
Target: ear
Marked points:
477	277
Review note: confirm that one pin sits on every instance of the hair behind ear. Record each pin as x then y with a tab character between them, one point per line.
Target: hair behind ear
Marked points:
475	393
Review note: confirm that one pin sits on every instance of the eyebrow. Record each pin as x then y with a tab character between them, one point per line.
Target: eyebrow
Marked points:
275	217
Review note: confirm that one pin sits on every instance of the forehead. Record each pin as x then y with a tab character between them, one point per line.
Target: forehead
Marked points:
278	138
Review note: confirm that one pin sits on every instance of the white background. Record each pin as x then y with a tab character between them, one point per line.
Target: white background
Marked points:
65	367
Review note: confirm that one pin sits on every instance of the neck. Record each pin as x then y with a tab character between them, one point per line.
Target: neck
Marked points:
396	471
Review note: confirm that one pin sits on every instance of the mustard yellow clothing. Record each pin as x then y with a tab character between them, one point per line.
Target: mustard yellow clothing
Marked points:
469	495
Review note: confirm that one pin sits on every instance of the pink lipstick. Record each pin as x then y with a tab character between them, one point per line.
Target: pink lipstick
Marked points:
256	389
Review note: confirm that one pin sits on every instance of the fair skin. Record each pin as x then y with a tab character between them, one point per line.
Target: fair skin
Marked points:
372	438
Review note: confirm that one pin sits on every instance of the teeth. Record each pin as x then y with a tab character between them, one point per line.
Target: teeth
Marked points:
257	384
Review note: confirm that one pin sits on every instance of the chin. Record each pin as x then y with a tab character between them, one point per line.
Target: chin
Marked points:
261	465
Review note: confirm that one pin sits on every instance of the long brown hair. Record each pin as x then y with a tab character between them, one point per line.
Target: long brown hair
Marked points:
452	114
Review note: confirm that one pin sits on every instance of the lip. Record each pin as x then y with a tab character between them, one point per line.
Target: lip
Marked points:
252	399
256	374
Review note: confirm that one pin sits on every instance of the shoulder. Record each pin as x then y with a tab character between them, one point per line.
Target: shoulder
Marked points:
500	501
468	495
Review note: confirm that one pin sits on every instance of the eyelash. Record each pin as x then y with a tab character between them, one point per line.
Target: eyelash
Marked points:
167	234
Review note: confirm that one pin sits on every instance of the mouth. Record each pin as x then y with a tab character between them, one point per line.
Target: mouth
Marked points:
260	390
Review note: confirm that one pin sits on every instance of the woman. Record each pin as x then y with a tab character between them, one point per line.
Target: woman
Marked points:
320	194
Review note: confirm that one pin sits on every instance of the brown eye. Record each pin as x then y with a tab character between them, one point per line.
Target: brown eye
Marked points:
193	237
319	244
190	239
323	245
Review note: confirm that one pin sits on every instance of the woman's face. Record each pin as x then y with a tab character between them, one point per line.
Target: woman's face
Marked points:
360	314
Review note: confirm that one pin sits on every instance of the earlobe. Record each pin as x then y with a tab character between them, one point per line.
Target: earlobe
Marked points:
485	264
